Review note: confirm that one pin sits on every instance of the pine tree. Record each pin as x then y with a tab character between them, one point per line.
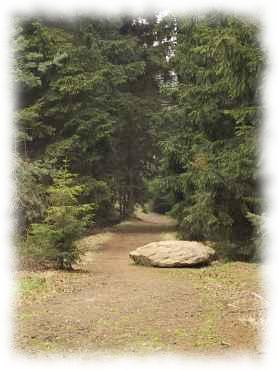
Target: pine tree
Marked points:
65	221
209	132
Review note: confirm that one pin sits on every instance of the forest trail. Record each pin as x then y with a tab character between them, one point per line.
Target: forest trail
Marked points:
112	305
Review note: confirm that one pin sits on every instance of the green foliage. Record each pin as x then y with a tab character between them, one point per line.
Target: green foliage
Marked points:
64	223
32	201
81	90
259	235
163	109
161	200
209	136
101	194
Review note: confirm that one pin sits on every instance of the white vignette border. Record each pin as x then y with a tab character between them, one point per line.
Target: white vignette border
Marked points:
264	11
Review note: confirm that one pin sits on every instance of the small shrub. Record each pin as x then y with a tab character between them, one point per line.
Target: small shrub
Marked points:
65	221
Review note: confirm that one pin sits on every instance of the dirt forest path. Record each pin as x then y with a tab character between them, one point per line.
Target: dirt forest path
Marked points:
112	305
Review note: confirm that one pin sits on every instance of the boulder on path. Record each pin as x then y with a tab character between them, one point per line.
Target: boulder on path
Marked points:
173	253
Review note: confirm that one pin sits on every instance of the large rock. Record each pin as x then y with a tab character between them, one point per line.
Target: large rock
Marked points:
173	253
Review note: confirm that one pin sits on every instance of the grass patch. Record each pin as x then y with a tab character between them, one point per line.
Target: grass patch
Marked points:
218	286
55	344
32	284
207	336
232	274
147	340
